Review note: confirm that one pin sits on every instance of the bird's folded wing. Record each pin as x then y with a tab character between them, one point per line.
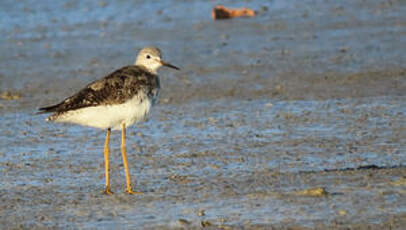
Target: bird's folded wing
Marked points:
115	88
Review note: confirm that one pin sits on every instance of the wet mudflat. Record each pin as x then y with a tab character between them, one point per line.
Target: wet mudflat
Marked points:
292	119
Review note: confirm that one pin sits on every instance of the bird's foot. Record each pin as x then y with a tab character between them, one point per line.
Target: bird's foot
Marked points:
107	191
131	192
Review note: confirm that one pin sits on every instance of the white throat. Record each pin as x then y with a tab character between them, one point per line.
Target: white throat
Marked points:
152	68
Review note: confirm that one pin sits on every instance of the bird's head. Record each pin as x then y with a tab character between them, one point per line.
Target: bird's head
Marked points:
150	58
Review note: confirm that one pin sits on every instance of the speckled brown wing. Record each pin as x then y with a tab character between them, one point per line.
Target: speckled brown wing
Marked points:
115	88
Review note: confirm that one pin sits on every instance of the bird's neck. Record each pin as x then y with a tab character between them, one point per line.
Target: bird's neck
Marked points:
148	69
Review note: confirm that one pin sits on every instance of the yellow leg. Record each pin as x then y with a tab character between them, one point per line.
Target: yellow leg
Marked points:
106	163
127	172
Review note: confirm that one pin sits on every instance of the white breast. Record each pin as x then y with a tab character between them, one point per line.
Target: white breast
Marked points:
110	116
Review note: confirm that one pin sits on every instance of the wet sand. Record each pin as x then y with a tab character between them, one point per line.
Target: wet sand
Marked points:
294	119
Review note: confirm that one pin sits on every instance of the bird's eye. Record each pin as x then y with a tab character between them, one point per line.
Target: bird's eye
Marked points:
148	57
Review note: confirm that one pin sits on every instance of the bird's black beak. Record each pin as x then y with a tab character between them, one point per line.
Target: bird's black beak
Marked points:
169	65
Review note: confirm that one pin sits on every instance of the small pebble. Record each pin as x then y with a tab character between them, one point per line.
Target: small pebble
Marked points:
342	212
201	213
205	223
183	222
316	192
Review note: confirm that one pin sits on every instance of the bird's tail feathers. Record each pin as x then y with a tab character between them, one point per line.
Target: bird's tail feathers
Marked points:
49	109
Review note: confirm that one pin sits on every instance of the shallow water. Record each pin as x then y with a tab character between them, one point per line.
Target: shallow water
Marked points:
238	164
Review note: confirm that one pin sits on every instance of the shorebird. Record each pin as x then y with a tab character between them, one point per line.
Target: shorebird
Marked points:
115	101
